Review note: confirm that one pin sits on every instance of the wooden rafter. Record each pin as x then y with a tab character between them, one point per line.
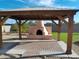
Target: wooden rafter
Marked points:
54	22
4	19
65	21
24	22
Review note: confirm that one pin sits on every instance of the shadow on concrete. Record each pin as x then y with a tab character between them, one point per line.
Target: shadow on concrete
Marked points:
16	39
7	45
47	55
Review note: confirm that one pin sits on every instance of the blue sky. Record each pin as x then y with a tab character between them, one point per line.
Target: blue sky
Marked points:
14	4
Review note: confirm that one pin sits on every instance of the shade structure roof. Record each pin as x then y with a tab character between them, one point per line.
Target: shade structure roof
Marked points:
38	13
26	9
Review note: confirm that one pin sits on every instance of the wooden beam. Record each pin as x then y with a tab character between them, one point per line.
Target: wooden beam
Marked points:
17	21
38	12
70	35
20	37
5	18
24	22
58	30
54	22
1	33
1	23
65	21
20	24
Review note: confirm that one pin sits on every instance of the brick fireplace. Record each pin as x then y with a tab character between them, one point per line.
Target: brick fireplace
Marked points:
39	31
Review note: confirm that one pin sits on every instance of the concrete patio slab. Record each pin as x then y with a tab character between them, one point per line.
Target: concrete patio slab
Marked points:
40	48
63	46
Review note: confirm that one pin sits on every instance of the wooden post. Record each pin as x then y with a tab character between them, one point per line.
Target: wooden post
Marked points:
58	29
52	28
53	24
1	23
0	33
20	29
69	36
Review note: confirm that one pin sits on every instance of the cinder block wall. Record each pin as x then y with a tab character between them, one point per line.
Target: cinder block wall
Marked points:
64	28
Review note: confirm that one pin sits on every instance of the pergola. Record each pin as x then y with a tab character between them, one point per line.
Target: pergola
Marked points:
41	14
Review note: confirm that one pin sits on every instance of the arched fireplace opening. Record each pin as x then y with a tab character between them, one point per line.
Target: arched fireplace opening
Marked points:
39	32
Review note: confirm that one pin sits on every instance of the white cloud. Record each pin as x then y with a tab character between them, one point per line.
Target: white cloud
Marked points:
65	6
60	6
46	2
39	2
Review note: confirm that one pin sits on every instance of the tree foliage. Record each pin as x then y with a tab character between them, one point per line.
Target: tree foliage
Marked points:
24	27
14	28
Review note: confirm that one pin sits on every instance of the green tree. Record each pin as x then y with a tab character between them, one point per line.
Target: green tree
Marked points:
14	28
24	27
